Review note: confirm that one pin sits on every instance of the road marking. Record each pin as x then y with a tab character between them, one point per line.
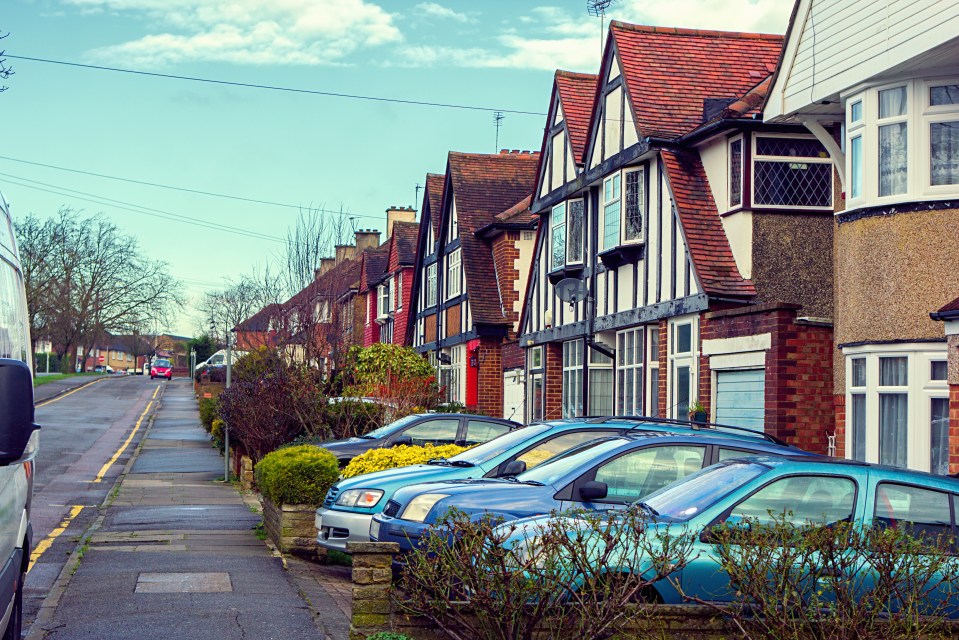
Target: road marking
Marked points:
61	397
155	392
48	541
119	452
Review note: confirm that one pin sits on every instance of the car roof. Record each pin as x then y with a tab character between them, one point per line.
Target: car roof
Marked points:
670	425
466	415
719	440
884	471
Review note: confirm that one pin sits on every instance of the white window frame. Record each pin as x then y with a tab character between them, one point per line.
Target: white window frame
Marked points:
643	205
573	378
535	366
557	233
397	295
455	372
600	365
608	203
430	286
920	390
682	359
729	170
919	117
454	273
630	397
383	301
756	159
453	232
581	245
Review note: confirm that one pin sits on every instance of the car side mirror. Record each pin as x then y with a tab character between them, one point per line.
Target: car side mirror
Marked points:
513	467
16	416
593	490
401	441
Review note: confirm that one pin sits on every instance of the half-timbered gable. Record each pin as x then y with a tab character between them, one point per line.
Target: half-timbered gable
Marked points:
424	289
471	316
672	114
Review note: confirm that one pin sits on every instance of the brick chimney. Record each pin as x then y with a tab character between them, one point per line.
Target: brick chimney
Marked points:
325	265
367	239
345	252
398	214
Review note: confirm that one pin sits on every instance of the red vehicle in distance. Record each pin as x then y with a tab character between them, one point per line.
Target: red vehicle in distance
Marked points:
161	369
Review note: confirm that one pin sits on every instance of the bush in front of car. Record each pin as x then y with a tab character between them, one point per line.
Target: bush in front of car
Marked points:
843	580
573	575
349	418
402	456
297	475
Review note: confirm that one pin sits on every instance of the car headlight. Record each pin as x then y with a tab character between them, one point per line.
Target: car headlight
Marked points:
419	507
359	498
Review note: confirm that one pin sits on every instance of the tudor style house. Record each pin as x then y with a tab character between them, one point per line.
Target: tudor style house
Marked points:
887	76
684	253
386	279
475	244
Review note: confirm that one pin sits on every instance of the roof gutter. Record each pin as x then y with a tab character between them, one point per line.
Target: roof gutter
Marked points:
487	231
705	131
945	315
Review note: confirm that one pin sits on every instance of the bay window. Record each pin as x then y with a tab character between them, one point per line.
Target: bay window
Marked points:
897	405
566	234
558	242
893	159
624	209
635	206
791	171
611	196
736	173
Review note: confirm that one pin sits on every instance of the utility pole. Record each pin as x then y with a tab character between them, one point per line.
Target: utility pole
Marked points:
226	425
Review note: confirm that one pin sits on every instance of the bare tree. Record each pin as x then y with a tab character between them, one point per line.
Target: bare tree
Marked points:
313	237
5	70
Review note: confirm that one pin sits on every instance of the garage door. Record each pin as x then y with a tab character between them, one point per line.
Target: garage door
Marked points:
741	398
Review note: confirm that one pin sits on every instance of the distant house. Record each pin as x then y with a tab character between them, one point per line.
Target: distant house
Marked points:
387	279
684	254
475	242
259	330
886	75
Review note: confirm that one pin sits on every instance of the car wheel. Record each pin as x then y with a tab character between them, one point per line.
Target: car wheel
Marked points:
15	625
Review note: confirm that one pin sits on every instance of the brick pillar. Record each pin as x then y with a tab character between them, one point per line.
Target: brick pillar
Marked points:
839	402
704	378
372	578
953	428
490	377
663	368
553	352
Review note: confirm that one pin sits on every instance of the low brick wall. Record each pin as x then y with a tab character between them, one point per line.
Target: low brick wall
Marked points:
374	611
292	528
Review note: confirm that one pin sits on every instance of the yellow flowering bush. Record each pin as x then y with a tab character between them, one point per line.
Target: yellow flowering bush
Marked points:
403	456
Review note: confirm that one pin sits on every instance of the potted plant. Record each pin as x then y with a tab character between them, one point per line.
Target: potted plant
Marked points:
697	412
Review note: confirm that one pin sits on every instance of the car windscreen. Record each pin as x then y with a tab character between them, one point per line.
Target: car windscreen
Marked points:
554	470
689	496
391	427
161	363
489	450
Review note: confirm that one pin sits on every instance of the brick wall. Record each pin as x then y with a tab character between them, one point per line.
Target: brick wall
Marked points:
800	407
371	330
954	428
401	318
489	399
513	355
839	402
505	257
663	368
705	381
553	380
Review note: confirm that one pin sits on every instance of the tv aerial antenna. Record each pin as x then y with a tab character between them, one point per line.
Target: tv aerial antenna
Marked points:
598	9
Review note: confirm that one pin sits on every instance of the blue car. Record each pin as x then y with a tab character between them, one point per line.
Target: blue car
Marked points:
350	504
608	473
802	490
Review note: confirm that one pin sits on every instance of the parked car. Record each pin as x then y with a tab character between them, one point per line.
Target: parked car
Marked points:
801	490
19	435
161	368
604	474
420	429
350	503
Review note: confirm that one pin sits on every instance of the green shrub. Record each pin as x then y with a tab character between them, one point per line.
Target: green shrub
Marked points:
216	431
297	475
350	418
208	412
388	635
388	458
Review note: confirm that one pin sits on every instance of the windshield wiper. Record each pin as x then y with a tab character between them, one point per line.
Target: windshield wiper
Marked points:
535	483
439	461
367	437
648	509
461	463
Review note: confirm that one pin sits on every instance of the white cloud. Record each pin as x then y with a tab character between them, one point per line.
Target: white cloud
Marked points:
435	10
307	32
551	37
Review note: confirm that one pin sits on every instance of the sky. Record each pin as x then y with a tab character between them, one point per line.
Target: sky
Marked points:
90	139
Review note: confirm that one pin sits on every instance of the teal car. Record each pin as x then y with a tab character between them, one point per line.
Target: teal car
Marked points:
803	490
350	504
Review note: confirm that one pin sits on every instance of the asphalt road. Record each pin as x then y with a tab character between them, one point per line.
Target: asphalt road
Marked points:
87	437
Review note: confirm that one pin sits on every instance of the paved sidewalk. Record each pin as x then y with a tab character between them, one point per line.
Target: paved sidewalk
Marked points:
175	555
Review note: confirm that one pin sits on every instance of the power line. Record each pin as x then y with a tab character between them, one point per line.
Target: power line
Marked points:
247	85
185	189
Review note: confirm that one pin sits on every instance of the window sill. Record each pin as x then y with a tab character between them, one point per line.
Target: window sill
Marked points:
623	254
568	271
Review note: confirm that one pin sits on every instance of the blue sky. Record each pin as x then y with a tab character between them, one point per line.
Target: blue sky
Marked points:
282	147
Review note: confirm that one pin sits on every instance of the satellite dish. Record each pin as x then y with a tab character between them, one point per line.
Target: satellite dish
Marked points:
571	290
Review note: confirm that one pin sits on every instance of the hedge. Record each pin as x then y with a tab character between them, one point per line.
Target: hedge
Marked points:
297	475
403	456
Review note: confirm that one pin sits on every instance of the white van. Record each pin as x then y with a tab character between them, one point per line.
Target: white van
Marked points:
218	359
18	432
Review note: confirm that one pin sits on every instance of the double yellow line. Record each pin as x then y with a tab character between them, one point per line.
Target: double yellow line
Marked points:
126	443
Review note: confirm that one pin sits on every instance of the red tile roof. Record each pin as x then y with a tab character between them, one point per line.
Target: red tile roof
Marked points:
576	93
260	321
485	185
706	240
374	265
670	72
519	213
404	241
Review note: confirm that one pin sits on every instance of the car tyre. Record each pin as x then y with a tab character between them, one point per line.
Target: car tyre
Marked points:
15	624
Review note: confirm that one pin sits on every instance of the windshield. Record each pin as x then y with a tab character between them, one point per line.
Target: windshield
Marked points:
552	471
500	444
390	428
689	496
161	363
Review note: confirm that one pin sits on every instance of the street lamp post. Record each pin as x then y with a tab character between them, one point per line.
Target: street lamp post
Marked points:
226	425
